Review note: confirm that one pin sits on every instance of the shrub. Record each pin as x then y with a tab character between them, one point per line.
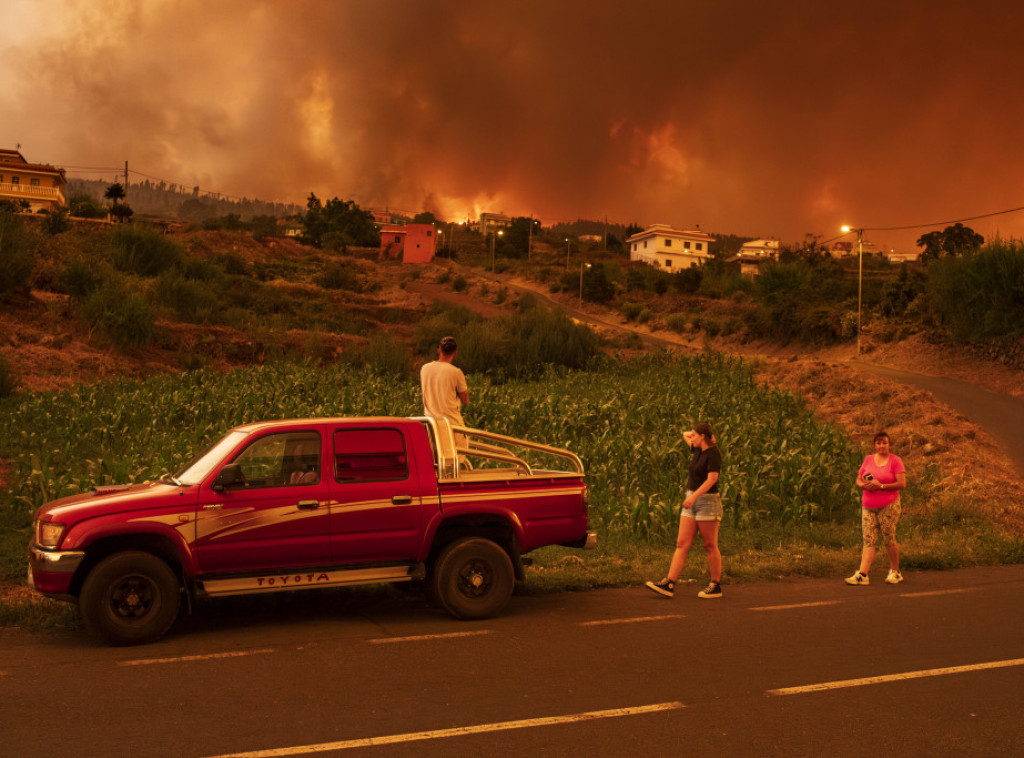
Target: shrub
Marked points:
388	356
631	310
978	296
459	284
338	276
194	301
85	206
124	317
142	250
8	382
232	263
17	257
56	222
79	278
678	322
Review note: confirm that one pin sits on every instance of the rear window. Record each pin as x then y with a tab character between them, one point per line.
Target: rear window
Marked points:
369	455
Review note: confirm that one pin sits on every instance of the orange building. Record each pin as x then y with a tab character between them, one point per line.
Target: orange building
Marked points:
413	243
41	186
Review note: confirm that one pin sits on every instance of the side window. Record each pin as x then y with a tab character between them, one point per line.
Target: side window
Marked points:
281	460
370	455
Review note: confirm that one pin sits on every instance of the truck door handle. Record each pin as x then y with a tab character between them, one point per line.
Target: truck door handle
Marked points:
401	499
308	505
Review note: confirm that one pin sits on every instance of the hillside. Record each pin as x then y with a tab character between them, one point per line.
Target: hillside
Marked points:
326	307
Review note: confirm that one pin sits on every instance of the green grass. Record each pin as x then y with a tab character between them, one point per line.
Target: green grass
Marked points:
791	508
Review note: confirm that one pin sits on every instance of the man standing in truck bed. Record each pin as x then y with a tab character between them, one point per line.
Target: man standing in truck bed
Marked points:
444	386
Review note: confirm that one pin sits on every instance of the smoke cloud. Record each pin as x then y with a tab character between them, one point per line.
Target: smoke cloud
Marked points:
760	119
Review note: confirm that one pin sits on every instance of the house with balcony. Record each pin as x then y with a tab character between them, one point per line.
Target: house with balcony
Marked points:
410	243
669	249
41	186
492	222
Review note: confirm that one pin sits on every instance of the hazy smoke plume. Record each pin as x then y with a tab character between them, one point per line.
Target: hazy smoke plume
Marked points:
762	119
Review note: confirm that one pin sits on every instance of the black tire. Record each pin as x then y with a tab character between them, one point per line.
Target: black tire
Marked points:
472	578
130	598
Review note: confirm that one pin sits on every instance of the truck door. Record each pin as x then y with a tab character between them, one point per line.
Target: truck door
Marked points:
375	496
275	516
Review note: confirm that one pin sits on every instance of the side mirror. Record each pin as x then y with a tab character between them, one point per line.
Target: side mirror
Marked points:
229	478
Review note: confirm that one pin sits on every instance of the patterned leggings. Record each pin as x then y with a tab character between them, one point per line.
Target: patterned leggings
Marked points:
875	521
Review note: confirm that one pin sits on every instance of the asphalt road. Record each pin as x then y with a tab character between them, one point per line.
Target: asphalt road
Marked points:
1000	415
934	666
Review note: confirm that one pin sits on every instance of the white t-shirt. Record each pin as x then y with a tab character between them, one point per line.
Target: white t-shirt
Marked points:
441	383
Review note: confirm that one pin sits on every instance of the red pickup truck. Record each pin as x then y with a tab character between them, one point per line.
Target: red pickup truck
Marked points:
399	499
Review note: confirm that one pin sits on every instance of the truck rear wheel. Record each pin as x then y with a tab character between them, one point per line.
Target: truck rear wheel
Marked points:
472	578
130	598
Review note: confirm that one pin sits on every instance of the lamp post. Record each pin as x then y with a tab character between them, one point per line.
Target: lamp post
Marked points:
860	275
494	237
566	253
582	267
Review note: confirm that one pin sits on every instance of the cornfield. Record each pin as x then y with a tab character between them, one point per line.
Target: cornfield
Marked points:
625	421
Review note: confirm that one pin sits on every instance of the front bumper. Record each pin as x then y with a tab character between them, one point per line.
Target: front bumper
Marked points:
51	571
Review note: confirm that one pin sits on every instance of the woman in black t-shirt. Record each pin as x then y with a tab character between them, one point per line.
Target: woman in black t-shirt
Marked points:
701	512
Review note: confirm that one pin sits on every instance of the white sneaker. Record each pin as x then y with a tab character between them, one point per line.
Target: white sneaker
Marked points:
895	577
858	578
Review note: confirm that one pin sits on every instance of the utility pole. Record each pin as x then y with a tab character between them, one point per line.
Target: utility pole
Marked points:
529	241
126	181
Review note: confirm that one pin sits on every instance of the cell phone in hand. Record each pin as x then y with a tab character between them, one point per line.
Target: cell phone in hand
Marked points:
868	478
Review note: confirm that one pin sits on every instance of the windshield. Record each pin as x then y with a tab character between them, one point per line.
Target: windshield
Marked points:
200	466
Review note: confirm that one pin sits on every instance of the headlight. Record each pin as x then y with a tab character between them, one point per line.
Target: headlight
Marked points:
48	535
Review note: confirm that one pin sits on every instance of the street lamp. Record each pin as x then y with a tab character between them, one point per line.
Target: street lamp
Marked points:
582	267
494	237
860	274
566	253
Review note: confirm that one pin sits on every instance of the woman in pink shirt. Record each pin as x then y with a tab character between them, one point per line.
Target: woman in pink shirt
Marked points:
881	477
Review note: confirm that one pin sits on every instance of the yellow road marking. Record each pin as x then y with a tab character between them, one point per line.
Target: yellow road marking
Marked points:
186	658
636	620
896	677
458	731
386	640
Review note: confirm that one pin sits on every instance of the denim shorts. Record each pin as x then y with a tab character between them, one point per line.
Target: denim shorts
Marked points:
708	507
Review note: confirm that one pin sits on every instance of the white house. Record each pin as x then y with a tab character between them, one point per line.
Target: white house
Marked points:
670	249
760	249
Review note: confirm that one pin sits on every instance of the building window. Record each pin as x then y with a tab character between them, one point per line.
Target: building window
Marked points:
33	182
636	245
429	232
645	244
668	263
15	180
668	243
700	245
398	238
686	245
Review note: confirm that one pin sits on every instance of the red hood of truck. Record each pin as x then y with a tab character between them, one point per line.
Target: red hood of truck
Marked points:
110	499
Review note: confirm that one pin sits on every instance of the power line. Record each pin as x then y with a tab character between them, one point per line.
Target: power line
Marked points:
940	223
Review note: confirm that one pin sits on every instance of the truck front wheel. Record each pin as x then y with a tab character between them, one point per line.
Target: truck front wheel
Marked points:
472	578
130	598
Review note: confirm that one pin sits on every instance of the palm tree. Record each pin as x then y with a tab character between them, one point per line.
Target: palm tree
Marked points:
115	192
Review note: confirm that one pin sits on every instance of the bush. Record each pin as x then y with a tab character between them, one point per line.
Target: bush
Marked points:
338	276
631	310
388	356
124	317
678	322
56	222
459	284
979	296
79	278
195	301
85	206
142	250
8	382
17	257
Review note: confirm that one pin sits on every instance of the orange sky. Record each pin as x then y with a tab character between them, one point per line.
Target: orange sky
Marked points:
760	119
